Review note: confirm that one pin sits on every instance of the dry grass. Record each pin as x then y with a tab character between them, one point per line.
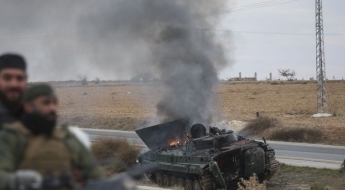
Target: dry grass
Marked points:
107	105
119	123
292	104
318	186
251	184
291	177
117	154
322	134
259	126
272	129
298	134
126	105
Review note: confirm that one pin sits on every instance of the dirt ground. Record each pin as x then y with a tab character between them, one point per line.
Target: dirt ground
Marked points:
125	106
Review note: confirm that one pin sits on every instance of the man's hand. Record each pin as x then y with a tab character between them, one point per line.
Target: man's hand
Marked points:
25	179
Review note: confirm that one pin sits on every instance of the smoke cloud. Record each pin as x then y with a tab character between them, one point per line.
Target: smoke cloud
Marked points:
162	37
116	39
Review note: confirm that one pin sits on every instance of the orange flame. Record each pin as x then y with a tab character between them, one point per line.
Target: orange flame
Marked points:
176	142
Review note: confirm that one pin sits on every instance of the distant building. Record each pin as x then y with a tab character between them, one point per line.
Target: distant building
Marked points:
240	78
270	76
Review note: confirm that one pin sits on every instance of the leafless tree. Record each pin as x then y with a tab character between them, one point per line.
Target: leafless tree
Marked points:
288	73
97	80
83	79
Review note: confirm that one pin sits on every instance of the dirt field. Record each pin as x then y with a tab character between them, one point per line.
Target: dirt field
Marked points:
126	105
290	103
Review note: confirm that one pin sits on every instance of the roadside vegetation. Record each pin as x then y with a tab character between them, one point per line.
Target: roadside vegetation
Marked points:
273	129
259	126
251	184
293	177
298	134
115	155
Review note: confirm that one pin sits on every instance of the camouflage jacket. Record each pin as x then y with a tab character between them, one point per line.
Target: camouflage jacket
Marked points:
7	117
13	145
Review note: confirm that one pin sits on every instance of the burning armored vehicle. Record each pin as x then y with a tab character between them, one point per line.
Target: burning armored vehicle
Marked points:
201	160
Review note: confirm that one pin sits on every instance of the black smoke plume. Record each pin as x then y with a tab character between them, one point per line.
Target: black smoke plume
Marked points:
162	36
116	39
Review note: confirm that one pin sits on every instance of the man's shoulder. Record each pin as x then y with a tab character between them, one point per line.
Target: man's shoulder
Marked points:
9	134
13	127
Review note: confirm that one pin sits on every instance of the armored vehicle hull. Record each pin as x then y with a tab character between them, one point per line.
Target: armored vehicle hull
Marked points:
216	160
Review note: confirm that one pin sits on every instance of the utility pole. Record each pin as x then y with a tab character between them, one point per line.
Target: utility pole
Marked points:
320	63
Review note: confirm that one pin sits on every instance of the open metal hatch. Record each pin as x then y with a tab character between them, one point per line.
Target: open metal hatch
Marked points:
163	134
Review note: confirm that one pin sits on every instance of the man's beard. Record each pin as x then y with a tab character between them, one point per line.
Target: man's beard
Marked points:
11	105
38	123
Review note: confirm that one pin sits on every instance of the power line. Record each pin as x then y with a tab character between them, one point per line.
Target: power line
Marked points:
250	6
253	6
270	33
256	4
44	37
77	35
245	7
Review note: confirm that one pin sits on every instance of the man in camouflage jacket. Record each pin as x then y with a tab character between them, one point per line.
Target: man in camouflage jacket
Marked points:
34	150
13	78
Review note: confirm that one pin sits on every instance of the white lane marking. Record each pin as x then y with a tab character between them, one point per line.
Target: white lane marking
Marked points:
149	188
310	159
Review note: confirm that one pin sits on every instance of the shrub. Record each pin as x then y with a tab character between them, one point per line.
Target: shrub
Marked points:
83	79
259	125
119	154
251	184
297	134
97	80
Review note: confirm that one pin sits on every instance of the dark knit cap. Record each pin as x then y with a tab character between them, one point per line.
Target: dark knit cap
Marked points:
12	61
38	90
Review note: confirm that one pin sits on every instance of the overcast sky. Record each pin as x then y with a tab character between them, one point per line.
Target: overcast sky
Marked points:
265	53
262	40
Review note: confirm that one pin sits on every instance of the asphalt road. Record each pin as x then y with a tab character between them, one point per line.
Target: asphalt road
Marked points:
299	154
